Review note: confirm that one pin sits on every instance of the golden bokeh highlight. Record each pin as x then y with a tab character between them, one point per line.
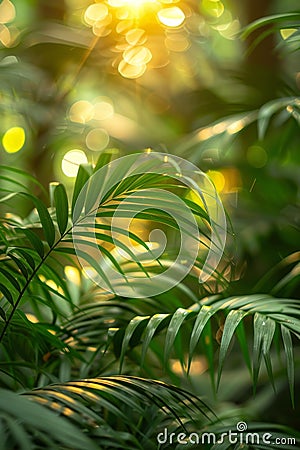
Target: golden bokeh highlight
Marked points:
103	108
81	111
101	29
214	8
124	26
218	179
171	17
138	32
137	36
137	56
7	11
13	139
71	162
5	36
130	70
177	42
236	126
133	4
31	317
95	13
97	139
73	275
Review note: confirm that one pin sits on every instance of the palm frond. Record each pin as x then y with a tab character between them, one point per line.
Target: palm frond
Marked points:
26	425
290	105
109	412
272	317
276	21
27	255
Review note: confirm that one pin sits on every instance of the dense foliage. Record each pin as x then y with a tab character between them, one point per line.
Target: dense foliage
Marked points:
82	367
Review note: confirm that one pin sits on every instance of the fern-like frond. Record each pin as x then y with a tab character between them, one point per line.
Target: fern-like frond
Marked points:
125	412
103	413
26	425
32	247
272	318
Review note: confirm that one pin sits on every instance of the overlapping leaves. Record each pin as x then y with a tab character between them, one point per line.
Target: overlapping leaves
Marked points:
271	318
28	245
99	413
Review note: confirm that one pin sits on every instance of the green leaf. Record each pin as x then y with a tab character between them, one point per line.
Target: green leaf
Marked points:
26	175
7	294
62	208
275	19
20	264
24	253
268	110
10	278
130	329
46	221
176	321
83	174
267	341
95	265
2	314
208	346
117	397
243	341
33	418
35	241
106	238
232	321
103	159
118	230
288	348
21	438
259	325
152	326
205	313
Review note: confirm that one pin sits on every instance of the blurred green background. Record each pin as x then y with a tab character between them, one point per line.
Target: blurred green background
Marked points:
78	78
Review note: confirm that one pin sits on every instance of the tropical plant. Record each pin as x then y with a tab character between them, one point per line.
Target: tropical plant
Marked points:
82	365
55	329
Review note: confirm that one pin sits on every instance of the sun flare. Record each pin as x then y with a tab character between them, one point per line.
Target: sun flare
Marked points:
132	4
140	29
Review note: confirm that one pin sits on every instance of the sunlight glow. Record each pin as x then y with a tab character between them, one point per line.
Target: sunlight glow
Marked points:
171	17
81	111
236	126
95	13
103	108
73	274
218	179
71	162
14	139
177	43
97	139
137	56
132	20
5	36
7	11
32	318
137	36
287	32
130	70
214	8
129	3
